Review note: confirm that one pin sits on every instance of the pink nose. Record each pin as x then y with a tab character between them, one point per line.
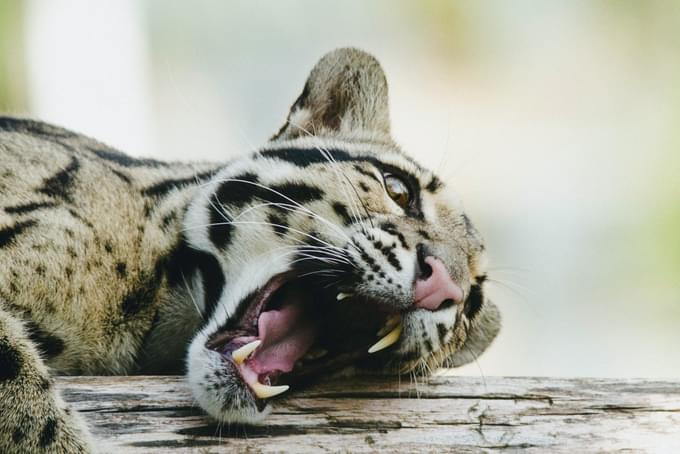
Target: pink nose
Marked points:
431	292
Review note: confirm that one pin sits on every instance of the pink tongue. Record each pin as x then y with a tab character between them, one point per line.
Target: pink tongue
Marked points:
286	336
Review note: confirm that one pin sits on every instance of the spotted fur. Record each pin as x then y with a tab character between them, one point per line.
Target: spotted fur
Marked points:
117	265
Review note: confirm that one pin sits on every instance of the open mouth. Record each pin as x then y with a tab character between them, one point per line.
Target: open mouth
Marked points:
294	329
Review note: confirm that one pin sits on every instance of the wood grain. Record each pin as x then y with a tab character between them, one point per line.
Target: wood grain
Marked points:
459	414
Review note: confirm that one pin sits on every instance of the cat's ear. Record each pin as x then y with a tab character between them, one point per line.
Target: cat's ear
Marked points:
345	95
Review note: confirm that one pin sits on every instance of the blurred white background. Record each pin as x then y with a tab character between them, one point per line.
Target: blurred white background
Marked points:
557	122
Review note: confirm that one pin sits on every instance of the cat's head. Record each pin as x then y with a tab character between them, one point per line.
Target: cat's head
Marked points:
335	249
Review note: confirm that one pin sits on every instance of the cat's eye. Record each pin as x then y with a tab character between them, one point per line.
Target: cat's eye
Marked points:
398	190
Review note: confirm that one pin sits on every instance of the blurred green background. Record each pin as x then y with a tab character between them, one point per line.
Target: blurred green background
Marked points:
557	122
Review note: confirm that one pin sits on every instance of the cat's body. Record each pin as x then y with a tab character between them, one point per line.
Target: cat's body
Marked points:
115	265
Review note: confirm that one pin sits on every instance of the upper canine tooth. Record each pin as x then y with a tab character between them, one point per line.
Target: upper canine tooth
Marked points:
389	339
266	391
341	296
242	353
390	323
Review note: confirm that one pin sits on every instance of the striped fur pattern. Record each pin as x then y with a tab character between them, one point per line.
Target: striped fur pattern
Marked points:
115	265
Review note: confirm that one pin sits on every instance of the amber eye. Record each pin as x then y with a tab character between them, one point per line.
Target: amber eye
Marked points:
398	190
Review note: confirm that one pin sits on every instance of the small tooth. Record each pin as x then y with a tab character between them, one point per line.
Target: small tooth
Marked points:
390	323
242	353
266	391
389	339
341	296
315	353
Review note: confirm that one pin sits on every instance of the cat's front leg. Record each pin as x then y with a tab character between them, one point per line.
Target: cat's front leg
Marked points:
33	418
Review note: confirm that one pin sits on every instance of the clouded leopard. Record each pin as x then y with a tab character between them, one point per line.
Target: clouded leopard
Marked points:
328	248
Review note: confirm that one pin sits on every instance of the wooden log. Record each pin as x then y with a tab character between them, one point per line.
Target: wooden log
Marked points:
459	414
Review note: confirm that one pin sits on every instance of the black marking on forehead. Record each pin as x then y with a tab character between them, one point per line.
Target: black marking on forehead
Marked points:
61	184
365	172
184	262
434	185
304	157
364	187
124	160
28	207
8	234
237	194
165	186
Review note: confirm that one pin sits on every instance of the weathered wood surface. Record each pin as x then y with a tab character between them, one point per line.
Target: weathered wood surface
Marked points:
445	414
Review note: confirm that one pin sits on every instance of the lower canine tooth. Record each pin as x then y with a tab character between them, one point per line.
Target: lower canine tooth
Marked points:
389	339
341	296
242	353
266	391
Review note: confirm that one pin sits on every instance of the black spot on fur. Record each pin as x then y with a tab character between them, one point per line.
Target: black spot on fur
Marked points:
71	252
18	434
124	160
474	302
122	176
8	234
279	223
49	344
40	270
121	269
389	255
29	207
49	432
442	330
364	187
447	303
45	383
165	186
434	185
69	272
144	292
184	262
424	234
341	210
392	230
77	216
60	185
168	219
108	247
10	361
